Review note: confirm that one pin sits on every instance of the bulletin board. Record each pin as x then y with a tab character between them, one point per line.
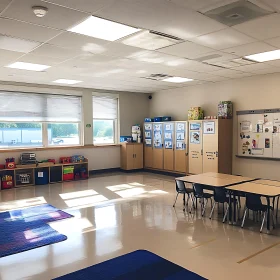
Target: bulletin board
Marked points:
259	134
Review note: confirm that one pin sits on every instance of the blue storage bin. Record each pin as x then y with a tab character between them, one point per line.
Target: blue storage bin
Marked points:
158	119
149	120
166	119
125	138
41	176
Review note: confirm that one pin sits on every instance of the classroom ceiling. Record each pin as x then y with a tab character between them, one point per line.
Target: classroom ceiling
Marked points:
201	48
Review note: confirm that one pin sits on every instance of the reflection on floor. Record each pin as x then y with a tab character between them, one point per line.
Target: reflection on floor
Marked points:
121	213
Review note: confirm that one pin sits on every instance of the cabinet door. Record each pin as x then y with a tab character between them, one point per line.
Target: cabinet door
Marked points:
195	147
210	146
129	157
168	153
157	145
138	156
148	156
180	147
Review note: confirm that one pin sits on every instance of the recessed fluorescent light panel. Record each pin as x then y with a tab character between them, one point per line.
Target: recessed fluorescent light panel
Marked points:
150	40
68	82
103	29
28	66
177	80
17	45
265	56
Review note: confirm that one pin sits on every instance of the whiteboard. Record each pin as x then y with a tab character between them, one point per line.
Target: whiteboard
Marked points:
259	134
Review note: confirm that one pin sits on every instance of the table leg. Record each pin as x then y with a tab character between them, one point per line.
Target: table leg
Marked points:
277	209
234	209
268	214
184	199
230	209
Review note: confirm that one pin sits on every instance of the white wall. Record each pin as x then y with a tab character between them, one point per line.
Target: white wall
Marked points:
257	92
133	110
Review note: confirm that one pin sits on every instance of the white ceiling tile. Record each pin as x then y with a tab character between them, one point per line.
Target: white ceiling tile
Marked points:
230	73
261	28
79	42
275	63
186	24
200	67
215	56
268	70
56	52
4	4
57	17
8	57
186	49
253	67
274	42
17	45
89	6
26	31
136	14
273	3
195	4
44	60
223	39
248	49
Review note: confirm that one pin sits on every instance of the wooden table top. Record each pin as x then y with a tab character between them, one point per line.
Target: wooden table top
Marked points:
226	176
252	187
268	182
212	181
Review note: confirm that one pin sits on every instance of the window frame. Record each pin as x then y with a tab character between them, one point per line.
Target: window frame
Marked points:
116	126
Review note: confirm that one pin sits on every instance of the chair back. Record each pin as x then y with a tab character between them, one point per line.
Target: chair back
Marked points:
220	195
180	186
198	190
253	202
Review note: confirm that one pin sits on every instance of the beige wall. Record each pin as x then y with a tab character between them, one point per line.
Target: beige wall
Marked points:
258	92
133	110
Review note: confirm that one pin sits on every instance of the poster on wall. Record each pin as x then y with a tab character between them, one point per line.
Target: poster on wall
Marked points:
195	137
168	145
148	142
157	137
195	126
157	127
209	128
180	127
180	136
148	126
245	126
147	134
180	145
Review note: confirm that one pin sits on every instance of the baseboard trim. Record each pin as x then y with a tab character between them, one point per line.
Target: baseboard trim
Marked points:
168	173
104	171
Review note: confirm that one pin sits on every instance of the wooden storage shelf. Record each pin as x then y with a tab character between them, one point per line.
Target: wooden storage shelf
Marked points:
54	173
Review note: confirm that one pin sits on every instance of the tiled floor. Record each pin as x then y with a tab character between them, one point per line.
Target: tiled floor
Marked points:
119	213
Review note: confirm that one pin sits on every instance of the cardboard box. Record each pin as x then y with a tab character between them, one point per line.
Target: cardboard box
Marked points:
195	113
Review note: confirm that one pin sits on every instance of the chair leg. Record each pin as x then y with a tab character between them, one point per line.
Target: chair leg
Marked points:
273	219
263	220
225	216
175	199
192	207
204	207
212	210
244	216
187	203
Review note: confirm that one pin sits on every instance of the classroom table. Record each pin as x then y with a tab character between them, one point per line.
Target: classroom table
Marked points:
226	176
268	191
213	182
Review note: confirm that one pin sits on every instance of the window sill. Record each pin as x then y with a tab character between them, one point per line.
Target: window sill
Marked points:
57	148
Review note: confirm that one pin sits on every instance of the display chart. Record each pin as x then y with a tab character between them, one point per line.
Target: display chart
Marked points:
148	128
168	135
157	139
180	136
259	133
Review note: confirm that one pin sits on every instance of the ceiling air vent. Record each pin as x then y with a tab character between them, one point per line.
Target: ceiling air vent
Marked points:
237	12
157	77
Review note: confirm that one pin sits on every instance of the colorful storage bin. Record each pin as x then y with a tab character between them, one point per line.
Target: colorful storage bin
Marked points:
225	109
158	119
166	119
195	113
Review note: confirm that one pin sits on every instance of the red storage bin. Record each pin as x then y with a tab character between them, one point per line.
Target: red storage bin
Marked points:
7	185
68	177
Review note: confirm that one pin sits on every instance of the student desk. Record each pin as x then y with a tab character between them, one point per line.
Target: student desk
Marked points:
225	176
268	191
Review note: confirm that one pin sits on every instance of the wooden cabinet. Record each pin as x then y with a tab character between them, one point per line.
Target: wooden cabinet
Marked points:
131	156
210	146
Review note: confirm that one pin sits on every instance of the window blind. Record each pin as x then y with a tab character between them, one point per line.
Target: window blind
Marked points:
34	107
104	107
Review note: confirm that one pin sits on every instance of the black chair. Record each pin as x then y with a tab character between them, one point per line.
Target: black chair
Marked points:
200	194
220	196
254	203
181	189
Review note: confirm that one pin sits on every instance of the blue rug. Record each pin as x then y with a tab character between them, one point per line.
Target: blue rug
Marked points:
138	265
26	229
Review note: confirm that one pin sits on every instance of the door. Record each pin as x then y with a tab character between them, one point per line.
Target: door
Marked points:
127	156
148	148
180	147
138	156
157	145
168	149
210	146
195	147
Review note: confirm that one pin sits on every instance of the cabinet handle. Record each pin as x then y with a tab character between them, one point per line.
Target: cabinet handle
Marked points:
135	155
202	152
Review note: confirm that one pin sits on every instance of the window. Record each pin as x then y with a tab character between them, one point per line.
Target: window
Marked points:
105	119
39	120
